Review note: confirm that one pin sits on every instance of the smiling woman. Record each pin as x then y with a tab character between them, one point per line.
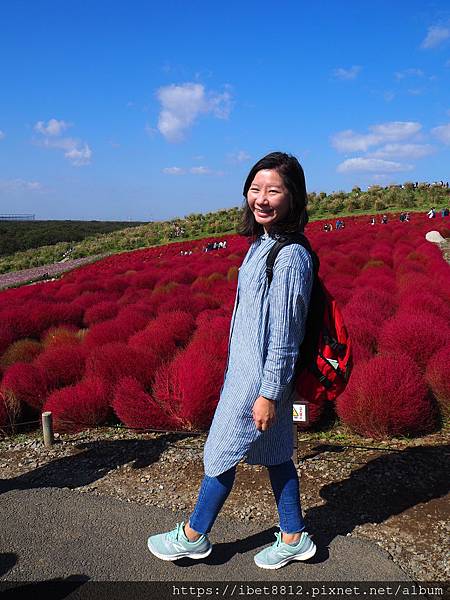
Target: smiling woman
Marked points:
276	198
253	418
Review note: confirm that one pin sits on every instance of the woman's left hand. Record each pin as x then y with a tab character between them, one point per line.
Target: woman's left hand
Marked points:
263	413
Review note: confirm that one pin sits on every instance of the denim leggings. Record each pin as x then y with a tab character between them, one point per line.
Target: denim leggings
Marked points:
215	490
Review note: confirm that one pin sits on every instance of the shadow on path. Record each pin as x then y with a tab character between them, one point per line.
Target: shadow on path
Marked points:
93	462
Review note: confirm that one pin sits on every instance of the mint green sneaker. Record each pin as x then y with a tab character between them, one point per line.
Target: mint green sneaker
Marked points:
174	545
280	554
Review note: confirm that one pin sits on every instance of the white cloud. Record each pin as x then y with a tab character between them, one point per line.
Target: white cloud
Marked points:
239	157
52	128
351	141
2	135
409	73
78	153
174	171
182	104
371	165
442	133
79	156
200	171
20	185
389	95
435	36
399	151
192	171
347	74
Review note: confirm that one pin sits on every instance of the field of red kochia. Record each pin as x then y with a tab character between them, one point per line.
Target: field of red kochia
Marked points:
143	336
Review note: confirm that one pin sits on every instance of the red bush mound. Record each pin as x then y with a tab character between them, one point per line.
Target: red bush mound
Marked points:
100	312
422	301
24	350
367	302
118	329
55	336
212	338
155	338
62	364
136	408
386	396
27	383
80	406
186	301
419	335
437	377
189	386
363	335
115	360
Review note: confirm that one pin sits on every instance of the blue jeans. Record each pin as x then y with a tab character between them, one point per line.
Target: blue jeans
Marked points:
215	490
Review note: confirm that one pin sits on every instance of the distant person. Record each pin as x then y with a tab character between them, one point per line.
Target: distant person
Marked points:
444	212
402	217
406	217
384	219
372	221
253	419
431	213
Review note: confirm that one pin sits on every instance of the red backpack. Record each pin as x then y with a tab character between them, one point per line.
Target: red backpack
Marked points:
325	355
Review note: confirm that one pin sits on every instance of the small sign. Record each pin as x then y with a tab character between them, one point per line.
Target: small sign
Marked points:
300	412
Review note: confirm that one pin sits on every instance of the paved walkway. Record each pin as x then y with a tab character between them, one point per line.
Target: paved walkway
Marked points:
51	533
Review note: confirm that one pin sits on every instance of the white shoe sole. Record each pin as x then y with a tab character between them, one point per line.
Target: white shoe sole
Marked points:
187	554
305	556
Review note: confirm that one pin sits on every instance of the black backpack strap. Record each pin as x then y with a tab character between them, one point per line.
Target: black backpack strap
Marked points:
280	243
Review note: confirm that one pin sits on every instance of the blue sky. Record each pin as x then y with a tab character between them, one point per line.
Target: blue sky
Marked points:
147	110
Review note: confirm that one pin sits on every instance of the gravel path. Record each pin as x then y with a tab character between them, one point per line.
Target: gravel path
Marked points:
44	272
391	494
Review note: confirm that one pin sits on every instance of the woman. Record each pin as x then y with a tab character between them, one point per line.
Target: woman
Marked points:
253	419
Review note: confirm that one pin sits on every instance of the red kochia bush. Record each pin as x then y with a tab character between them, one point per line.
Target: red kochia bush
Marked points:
55	336
136	408
423	302
437	377
366	303
100	312
118	329
27	383
115	360
189	386
80	406
62	365
419	335
21	351
386	396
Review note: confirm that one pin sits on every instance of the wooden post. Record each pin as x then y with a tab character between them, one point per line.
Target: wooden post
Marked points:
47	428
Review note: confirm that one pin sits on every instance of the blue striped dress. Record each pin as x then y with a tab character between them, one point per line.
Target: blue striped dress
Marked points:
267	327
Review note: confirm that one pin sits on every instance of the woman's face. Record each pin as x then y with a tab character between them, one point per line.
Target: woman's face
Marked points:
268	198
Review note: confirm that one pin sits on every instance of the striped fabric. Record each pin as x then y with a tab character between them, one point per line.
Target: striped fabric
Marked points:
266	330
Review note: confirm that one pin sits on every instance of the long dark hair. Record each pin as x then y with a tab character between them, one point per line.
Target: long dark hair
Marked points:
294	180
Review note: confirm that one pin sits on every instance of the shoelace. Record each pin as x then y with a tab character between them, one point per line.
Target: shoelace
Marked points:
175	533
278	540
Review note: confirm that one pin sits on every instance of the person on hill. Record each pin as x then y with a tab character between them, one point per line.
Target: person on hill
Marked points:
372	221
253	418
384	219
407	217
431	213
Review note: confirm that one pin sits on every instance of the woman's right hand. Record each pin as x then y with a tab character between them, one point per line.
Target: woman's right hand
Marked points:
263	413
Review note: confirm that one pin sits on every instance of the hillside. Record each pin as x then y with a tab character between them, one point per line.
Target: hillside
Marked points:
375	200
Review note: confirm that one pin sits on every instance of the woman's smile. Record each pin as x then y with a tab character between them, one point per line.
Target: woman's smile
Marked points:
268	198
